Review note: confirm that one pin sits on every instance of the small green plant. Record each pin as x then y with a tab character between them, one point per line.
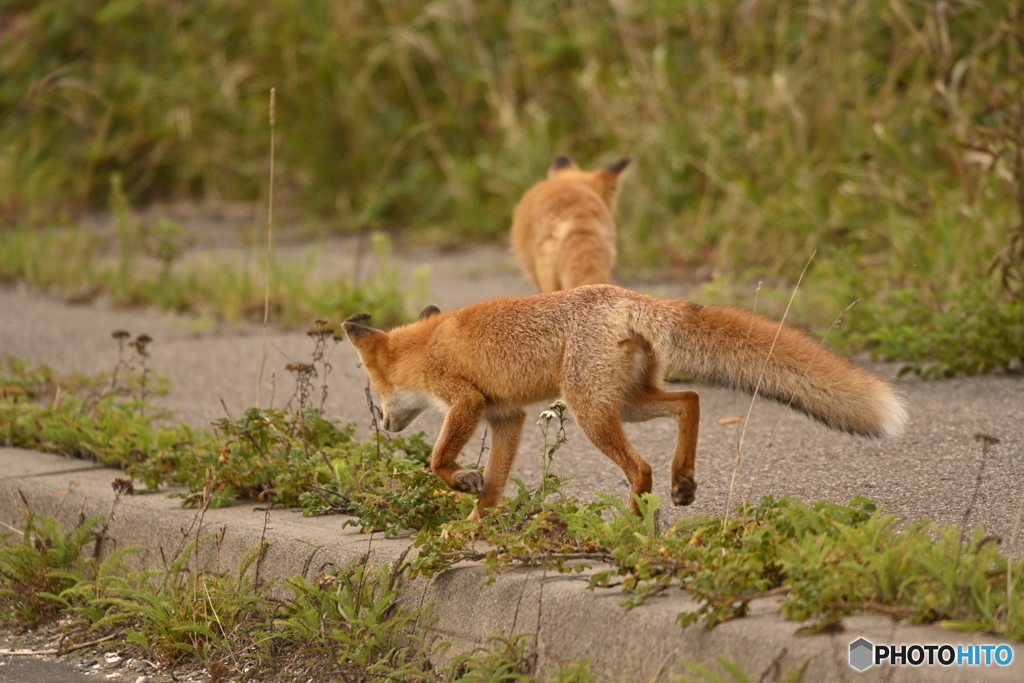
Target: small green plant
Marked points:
20	381
386	484
266	455
508	659
107	417
970	332
828	560
126	229
346	621
349	619
181	611
71	261
163	241
37	569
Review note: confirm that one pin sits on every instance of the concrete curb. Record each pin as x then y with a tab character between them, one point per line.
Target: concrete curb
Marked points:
569	621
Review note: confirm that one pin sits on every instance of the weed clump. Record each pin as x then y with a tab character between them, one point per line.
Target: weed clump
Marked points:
348	621
42	564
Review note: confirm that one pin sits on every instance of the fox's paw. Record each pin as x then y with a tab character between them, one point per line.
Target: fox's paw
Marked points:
684	490
468	481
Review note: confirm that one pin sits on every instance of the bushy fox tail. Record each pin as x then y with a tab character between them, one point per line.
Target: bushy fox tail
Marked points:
735	348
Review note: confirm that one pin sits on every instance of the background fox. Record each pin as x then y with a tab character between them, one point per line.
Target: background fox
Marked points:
603	349
563	229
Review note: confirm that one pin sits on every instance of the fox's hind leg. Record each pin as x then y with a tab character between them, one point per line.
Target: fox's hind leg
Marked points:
652	401
601	425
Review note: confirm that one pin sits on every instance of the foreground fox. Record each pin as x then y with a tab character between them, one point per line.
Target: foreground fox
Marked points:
563	229
603	349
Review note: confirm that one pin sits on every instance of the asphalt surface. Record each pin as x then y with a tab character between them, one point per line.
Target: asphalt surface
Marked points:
938	468
37	670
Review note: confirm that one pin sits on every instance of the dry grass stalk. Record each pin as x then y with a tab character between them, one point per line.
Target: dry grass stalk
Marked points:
270	240
746	420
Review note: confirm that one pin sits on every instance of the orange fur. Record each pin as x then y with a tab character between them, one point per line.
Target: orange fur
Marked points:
603	349
563	229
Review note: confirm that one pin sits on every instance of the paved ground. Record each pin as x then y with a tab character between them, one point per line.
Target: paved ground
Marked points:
37	670
930	471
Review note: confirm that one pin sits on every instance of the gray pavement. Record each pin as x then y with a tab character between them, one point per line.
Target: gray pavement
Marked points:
929	471
39	670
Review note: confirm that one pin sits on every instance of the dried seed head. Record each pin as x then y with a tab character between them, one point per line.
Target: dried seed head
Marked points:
121	485
140	344
120	334
320	331
300	368
986	438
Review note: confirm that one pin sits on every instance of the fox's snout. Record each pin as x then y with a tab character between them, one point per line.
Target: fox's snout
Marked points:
394	420
390	424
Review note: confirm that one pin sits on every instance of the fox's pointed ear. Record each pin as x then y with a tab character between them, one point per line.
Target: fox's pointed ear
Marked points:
359	334
428	311
619	166
608	178
560	162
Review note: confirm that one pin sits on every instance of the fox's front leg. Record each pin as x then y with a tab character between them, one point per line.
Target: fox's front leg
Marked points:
506	428
462	418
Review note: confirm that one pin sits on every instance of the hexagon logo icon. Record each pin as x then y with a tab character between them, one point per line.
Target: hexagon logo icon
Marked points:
861	654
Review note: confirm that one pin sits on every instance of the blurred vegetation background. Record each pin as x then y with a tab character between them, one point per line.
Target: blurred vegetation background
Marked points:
885	134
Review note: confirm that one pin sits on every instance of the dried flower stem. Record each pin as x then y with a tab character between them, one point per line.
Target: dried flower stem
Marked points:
270	238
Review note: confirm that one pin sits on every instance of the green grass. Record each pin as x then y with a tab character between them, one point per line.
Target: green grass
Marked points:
43	563
297	458
823	560
343	623
827	560
73	263
882	134
790	125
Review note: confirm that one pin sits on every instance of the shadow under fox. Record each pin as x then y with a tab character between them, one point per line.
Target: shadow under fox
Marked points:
603	350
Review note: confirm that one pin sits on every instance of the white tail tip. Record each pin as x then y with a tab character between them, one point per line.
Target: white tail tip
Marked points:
894	415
